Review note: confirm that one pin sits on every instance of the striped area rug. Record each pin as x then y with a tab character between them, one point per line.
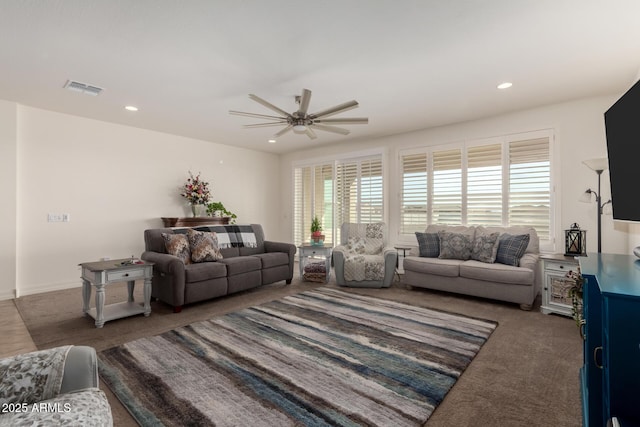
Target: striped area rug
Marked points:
318	358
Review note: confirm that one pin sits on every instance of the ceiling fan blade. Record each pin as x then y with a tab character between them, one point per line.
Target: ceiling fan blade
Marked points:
334	110
262	125
259	116
283	131
304	102
310	133
333	129
268	105
345	121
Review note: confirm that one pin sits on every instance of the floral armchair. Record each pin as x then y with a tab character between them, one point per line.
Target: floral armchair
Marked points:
362	259
57	386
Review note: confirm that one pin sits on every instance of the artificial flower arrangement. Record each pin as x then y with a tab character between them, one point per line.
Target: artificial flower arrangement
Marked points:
195	190
576	294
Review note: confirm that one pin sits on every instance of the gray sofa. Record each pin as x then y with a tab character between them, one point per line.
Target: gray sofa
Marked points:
58	386
519	283
242	266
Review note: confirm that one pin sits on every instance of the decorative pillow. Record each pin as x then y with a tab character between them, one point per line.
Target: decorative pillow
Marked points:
428	244
455	245
177	245
511	248
485	247
203	245
356	245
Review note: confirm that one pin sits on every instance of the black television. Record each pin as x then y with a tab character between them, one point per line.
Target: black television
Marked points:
622	124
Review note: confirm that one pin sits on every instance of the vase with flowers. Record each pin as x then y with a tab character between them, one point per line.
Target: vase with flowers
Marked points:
196	191
576	293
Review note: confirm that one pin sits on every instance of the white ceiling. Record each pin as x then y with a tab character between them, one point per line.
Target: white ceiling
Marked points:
411	64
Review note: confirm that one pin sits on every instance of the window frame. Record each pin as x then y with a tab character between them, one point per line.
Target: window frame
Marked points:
404	237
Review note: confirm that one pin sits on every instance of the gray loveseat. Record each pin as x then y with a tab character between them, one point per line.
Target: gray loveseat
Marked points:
247	261
518	283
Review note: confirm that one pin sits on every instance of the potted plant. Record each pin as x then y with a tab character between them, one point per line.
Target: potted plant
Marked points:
317	238
218	209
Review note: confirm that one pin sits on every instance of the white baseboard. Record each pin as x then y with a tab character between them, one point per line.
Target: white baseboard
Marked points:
48	288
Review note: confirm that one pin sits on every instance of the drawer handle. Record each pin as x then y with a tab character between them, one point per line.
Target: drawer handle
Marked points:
561	267
595	358
126	274
583	326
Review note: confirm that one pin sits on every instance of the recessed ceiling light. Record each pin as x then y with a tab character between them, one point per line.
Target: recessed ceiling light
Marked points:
272	141
131	108
505	85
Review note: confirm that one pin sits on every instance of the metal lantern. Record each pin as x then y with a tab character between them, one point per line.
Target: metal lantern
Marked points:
575	241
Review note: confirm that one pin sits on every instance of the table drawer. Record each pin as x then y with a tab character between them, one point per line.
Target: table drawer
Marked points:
560	266
117	276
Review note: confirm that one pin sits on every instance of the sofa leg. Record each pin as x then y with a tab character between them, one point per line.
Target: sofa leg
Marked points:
177	309
526	307
288	282
409	287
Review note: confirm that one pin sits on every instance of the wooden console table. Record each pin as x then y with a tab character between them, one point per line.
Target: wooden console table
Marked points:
195	221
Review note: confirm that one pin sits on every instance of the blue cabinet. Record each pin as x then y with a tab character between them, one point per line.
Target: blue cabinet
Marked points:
610	375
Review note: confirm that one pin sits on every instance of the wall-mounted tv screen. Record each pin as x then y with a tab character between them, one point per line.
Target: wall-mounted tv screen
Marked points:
622	122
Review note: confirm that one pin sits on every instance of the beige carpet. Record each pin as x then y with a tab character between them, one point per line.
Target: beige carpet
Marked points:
525	375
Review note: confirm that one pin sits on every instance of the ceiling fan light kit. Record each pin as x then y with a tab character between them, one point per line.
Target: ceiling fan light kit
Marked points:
300	121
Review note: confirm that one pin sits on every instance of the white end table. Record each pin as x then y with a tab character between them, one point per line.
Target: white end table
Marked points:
102	273
306	251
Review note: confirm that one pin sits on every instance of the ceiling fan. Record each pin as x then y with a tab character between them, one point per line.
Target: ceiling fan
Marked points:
300	121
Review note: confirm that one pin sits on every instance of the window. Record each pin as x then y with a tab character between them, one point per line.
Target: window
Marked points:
491	183
354	194
313	192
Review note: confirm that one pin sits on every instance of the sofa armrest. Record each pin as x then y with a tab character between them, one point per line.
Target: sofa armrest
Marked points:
80	369
287	248
165	263
529	261
280	247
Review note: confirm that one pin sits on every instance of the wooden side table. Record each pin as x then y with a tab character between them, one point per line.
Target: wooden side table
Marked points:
102	273
555	284
307	251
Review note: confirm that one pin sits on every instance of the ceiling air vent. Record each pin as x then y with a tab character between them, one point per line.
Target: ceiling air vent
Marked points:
82	88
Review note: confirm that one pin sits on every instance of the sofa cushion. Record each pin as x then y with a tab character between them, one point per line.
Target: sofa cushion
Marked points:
204	271
534	242
177	245
428	244
273	259
511	248
439	267
455	245
497	273
485	247
203	245
241	264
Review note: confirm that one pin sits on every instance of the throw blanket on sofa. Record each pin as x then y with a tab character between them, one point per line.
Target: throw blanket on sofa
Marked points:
233	236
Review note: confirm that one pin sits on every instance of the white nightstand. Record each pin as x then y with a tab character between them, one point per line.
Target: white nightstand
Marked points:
307	252
555	284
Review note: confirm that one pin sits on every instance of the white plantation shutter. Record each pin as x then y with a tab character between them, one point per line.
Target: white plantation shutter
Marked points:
323	200
484	185
359	192
346	192
313	195
342	191
530	185
447	187
371	202
505	181
413	202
